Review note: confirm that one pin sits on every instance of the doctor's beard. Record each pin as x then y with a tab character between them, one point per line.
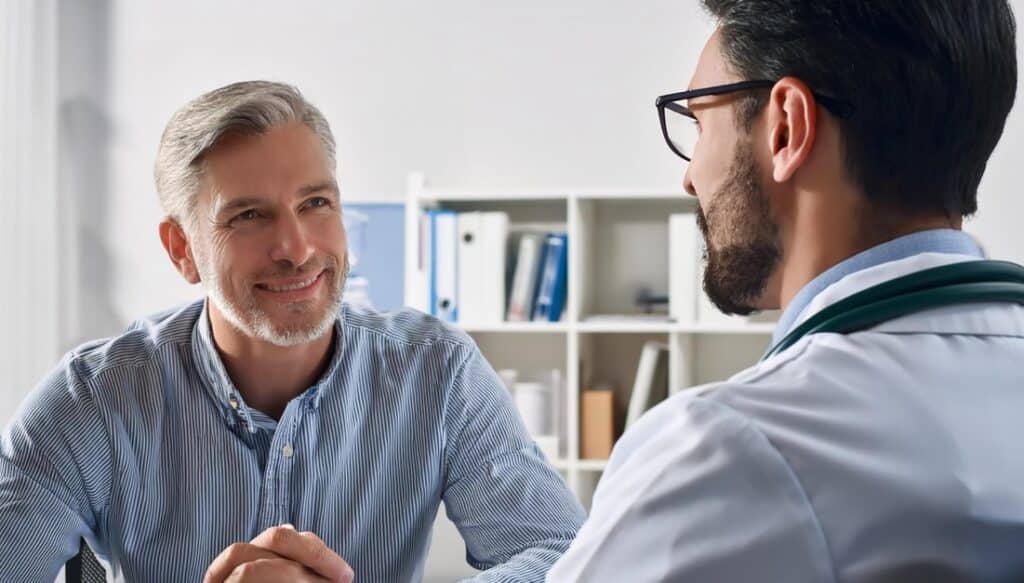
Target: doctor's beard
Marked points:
742	246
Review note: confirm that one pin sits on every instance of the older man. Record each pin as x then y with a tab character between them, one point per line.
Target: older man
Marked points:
269	432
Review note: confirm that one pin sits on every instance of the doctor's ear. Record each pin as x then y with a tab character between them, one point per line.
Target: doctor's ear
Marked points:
176	244
792	123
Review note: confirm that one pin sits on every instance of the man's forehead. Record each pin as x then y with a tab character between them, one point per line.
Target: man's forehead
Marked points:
286	160
711	67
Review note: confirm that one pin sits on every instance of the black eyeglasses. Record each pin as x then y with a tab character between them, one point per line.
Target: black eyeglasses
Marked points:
679	126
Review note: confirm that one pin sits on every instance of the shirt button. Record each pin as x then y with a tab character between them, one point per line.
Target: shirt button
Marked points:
287	450
233	402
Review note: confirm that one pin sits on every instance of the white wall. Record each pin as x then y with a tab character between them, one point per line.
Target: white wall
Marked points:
1000	218
29	230
474	94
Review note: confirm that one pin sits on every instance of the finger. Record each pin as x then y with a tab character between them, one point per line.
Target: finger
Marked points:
233	556
307	549
277	570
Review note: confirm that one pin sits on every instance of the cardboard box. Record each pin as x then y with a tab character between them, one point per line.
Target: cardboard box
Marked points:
597	424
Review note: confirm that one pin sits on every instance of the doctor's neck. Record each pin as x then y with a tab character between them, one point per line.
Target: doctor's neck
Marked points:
826	230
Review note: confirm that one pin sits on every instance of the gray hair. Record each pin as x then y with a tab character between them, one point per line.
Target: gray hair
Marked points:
246	108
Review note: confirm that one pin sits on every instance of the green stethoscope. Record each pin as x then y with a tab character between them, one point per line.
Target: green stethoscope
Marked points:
969	282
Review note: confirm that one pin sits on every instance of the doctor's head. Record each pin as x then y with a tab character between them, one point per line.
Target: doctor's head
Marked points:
246	176
864	120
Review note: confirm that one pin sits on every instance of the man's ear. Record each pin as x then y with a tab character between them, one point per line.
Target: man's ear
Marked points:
792	123
178	250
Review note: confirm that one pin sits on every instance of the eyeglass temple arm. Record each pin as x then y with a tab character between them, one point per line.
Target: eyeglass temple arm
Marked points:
678	108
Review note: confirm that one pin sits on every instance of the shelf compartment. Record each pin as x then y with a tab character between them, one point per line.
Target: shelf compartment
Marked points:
611	235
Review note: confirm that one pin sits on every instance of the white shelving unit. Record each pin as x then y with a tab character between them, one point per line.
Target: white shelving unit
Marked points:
618	241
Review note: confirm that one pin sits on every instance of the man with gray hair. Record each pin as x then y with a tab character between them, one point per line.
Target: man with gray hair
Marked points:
270	432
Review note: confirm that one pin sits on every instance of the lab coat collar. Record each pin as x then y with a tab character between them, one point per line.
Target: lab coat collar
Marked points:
971	319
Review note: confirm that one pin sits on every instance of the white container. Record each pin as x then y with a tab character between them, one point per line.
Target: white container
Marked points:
533	400
548	445
509	376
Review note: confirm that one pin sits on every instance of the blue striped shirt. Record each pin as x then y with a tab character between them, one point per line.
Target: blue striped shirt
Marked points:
142	445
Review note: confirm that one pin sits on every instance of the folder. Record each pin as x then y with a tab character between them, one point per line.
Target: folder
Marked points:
551	287
651	384
481	261
524	280
684	272
444	267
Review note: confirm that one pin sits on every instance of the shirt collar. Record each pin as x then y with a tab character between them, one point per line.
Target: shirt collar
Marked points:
223	391
931	241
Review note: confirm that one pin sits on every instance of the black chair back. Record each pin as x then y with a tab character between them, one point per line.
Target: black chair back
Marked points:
84	567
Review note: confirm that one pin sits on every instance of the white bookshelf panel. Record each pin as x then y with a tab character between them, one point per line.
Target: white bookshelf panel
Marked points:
544	212
581	258
519	327
586	484
592	465
640	195
626	327
562	465
681	353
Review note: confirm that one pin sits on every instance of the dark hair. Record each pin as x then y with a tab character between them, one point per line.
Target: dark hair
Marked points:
931	83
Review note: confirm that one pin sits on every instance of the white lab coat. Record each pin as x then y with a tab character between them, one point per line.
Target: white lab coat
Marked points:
892	454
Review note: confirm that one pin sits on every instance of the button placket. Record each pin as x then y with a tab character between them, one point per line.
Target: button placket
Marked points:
284	453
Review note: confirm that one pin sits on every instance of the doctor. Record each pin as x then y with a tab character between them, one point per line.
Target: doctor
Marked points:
890	452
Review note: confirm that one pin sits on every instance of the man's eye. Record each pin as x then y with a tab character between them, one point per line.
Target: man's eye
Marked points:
248	215
318	201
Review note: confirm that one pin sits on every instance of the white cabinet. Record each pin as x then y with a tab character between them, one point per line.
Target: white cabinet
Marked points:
618	244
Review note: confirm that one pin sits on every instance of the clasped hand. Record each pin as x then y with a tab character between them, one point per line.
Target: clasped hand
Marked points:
280	553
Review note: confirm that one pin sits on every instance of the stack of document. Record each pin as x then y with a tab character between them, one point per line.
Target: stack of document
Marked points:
539	278
474	275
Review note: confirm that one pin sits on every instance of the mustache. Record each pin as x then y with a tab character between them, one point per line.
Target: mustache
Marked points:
314	265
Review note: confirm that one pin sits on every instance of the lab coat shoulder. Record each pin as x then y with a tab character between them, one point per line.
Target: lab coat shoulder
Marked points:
699	493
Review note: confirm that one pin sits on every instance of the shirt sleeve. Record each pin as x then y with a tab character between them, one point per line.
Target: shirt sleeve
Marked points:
54	475
514	511
695	492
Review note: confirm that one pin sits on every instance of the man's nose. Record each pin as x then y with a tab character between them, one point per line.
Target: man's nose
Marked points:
688	182
291	242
